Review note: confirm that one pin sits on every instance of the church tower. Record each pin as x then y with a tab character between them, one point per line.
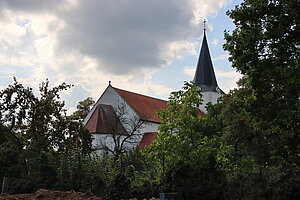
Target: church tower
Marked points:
205	78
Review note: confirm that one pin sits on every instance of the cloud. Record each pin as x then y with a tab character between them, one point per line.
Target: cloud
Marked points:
124	35
215	42
127	35
177	50
38	6
227	80
221	57
89	42
189	70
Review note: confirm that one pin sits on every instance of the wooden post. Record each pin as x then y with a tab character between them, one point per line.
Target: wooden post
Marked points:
4	185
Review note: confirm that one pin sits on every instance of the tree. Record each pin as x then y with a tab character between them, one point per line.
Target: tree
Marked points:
265	47
9	154
261	119
37	128
83	108
188	147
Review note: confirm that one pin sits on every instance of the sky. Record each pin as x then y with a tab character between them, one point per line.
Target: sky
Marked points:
145	46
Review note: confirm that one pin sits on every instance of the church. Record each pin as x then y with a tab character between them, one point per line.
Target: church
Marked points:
121	120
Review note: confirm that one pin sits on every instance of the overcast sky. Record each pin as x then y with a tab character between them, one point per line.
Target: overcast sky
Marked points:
145	46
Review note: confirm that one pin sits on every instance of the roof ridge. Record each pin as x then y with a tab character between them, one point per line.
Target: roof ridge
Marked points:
140	94
144	106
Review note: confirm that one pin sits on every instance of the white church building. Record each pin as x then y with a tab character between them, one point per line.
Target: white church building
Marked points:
121	120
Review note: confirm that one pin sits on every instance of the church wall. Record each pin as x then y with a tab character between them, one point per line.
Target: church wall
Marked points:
209	97
149	127
111	97
100	140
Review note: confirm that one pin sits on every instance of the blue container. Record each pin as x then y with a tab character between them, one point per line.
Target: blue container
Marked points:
169	196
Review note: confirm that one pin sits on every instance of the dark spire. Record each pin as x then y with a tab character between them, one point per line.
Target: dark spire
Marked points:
205	77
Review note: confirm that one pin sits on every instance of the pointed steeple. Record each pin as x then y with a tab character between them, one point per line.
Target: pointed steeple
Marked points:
205	77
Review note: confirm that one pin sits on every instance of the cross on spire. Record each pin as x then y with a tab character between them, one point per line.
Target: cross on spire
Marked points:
204	22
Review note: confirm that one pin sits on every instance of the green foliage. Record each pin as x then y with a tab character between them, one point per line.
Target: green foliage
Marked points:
41	147
257	169
9	154
261	119
83	109
133	179
80	172
188	148
265	47
184	132
144	176
33	129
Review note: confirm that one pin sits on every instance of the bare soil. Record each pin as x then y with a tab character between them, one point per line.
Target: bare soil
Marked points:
43	194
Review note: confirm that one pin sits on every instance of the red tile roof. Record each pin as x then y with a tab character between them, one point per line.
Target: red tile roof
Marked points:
144	106
148	138
103	121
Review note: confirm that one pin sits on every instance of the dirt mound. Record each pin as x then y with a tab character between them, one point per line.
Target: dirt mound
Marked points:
43	194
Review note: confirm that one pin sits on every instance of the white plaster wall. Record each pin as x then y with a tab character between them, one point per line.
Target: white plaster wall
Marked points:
106	139
149	127
111	97
209	97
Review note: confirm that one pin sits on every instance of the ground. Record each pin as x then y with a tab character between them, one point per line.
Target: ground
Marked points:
43	194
